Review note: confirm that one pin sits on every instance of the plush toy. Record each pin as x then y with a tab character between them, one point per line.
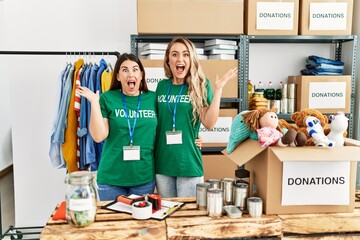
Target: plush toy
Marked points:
338	128
266	123
316	132
292	136
239	131
299	119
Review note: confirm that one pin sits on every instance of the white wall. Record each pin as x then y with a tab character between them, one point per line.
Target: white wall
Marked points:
275	62
42	25
5	126
81	25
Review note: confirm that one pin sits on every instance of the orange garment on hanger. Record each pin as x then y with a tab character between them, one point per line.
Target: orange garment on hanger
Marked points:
69	148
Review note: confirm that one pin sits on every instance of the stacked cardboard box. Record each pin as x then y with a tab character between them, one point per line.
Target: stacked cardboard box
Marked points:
326	17
190	17
271	17
328	94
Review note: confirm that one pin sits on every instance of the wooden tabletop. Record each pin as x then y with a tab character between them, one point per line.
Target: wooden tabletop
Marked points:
191	223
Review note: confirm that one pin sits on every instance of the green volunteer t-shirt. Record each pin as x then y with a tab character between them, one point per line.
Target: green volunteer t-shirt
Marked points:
113	170
181	160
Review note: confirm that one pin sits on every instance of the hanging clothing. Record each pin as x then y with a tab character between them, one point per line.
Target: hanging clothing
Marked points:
91	157
106	77
57	132
83	123
69	147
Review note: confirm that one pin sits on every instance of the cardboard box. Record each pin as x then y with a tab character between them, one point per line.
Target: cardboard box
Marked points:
327	94
155	72
267	167
217	166
219	135
212	68
271	17
190	17
326	17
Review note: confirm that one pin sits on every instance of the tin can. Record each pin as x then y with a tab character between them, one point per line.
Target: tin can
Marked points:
284	106
227	188
275	104
201	195
240	195
214	202
284	91
254	206
214	183
291	105
291	90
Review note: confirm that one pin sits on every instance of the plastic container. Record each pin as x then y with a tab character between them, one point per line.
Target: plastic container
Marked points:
232	211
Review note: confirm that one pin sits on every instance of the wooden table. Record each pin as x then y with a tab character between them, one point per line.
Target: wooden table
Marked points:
191	223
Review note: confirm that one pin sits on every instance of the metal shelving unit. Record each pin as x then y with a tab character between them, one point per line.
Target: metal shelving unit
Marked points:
337	41
243	58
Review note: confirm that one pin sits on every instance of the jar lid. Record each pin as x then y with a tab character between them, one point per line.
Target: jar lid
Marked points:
203	185
254	199
213	180
79	177
215	190
241	185
227	180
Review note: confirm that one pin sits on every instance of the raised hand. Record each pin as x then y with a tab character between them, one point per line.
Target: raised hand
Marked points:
221	82
88	94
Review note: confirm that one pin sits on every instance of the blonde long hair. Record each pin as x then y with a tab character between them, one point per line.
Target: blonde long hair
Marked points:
195	78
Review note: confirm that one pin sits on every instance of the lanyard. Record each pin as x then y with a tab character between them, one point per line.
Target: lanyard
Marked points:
131	130
176	102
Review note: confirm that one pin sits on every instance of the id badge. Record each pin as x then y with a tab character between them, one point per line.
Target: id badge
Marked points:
131	153
173	137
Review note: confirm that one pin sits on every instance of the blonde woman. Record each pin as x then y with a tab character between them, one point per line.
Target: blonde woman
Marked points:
184	100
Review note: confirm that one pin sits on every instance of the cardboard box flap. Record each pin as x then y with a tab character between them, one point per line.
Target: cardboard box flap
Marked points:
244	152
346	153
351	142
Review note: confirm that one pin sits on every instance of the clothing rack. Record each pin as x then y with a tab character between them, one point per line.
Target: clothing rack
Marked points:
117	54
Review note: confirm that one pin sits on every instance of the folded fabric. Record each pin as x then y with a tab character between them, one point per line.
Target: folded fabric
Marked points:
320	60
313	72
330	70
323	65
60	213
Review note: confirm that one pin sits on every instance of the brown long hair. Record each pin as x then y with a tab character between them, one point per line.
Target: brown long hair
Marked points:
116	84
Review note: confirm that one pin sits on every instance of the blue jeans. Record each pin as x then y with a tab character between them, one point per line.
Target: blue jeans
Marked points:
318	59
315	65
177	186
110	192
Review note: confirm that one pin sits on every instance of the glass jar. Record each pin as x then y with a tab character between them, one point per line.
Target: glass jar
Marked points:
81	198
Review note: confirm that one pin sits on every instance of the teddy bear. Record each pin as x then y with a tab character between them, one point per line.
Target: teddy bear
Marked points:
338	128
269	131
316	132
299	119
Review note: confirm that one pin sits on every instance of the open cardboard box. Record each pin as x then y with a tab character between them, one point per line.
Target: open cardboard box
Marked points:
266	168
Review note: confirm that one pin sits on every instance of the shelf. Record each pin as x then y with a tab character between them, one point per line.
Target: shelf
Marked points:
336	40
167	38
232	100
299	39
